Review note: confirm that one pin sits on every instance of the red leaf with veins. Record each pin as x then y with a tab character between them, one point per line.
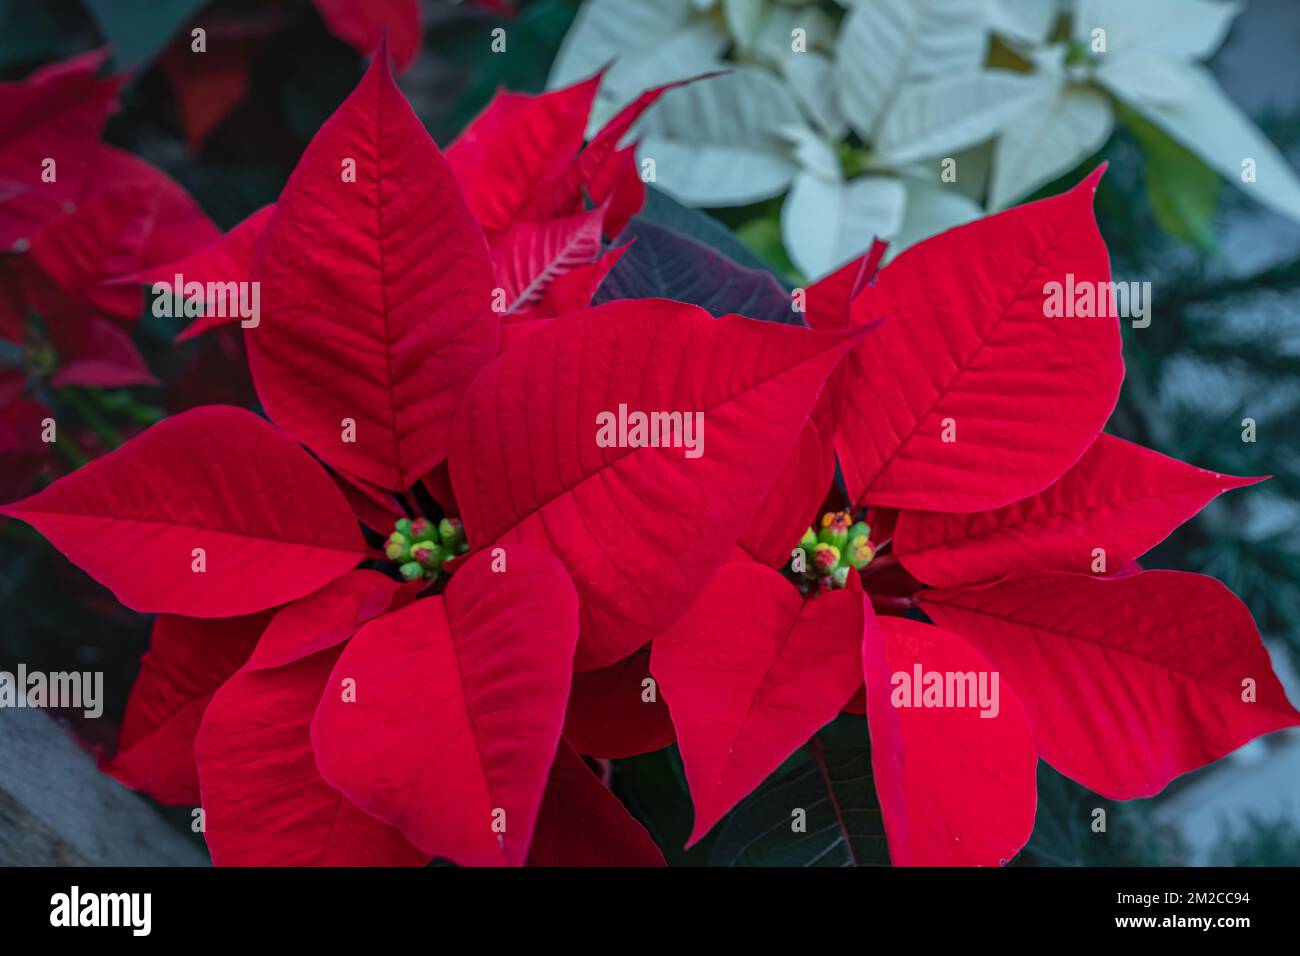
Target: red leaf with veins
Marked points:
792	503
965	342
271	523
264	801
364	24
1127	681
608	715
326	618
56	113
530	256
478	678
582	824
382	316
517	146
955	788
574	290
187	660
641	530
1119	497
750	673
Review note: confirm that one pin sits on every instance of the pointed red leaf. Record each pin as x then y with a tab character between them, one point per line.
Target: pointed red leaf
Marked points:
374	507
180	226
228	259
530	256
202	479
56	113
364	24
103	238
518	145
325	618
459	702
1127	681
791	505
614	713
575	289
640	530
750	673
375	293
187	660
956	787
1119	497
967	353
582	824
96	353
264	801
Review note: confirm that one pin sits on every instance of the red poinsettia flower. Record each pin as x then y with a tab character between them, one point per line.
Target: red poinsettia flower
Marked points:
324	713
78	215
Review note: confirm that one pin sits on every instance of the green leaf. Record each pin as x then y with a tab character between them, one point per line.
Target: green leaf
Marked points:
1183	190
137	30
662	209
842	825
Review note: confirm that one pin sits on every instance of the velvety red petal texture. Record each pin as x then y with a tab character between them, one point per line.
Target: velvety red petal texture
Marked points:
750	673
364	25
264	802
1119	497
56	113
375	293
181	226
609	714
791	505
574	289
271	524
459	703
582	824
530	256
1127	681
325	619
187	660
104	237
640	529
955	788
518	145
966	352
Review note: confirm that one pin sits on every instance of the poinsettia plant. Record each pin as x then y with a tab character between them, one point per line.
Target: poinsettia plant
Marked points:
413	611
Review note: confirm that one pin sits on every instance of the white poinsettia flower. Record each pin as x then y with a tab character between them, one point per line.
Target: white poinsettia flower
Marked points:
828	219
1146	55
644	45
724	141
885	47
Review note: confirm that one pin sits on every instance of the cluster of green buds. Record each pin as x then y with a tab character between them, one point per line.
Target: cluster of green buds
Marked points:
831	553
422	548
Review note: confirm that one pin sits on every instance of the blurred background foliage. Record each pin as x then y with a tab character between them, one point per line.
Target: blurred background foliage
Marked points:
1223	345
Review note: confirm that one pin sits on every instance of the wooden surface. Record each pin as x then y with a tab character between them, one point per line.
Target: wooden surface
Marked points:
58	809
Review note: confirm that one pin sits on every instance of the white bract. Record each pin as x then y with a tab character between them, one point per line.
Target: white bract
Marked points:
896	118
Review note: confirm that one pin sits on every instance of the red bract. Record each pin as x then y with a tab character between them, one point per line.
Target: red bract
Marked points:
378	723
